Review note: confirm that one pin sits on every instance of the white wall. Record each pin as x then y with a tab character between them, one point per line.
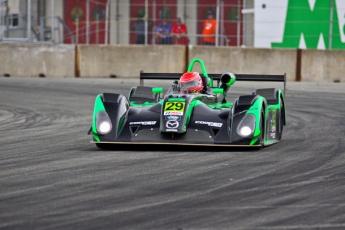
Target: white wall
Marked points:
269	22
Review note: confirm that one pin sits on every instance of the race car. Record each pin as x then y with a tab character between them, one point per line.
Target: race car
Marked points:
191	117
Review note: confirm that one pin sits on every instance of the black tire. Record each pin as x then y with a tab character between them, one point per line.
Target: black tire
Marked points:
281	121
262	135
103	146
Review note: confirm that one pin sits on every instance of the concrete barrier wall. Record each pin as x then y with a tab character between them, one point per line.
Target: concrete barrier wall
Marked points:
247	60
129	60
323	65
33	60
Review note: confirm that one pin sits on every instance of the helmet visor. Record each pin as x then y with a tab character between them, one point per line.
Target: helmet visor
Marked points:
185	86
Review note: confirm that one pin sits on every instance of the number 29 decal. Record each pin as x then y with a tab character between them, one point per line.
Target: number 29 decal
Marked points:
174	108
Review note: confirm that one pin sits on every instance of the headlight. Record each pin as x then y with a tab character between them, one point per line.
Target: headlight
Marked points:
104	127
247	125
103	123
245	131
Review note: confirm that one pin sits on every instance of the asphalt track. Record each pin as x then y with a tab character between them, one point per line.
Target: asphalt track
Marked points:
51	177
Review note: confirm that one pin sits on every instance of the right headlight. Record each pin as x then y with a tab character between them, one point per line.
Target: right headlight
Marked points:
246	126
103	123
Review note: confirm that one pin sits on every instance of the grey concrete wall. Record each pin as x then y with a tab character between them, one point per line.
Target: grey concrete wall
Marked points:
32	60
246	60
128	60
323	65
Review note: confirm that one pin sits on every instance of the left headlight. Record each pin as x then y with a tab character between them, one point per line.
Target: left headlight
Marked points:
103	123
247	125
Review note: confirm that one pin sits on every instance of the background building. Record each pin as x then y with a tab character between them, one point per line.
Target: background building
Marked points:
314	24
110	21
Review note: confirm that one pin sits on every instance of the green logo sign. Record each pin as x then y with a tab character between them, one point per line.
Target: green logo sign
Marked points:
314	25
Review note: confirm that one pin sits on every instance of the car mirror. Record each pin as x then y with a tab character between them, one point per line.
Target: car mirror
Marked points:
157	90
218	91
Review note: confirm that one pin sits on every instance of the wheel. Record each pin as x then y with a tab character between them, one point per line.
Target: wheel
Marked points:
281	125
262	123
103	146
262	134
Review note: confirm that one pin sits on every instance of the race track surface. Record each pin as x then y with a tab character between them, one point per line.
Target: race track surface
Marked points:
51	177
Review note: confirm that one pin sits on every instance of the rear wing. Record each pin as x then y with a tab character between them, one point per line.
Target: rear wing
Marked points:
215	77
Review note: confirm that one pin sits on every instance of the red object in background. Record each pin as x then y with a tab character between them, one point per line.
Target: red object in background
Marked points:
138	6
209	31
180	29
230	26
74	9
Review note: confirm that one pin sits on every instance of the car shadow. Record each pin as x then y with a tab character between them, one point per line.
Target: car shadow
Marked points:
174	148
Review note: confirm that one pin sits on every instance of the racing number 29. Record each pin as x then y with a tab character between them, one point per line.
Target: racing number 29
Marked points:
174	106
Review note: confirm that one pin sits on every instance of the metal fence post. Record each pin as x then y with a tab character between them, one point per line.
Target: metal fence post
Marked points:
77	30
154	20
330	25
29	20
146	21
238	23
217	24
52	20
87	22
106	23
2	18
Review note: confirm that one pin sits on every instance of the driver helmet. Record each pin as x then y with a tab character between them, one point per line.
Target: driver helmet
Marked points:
191	82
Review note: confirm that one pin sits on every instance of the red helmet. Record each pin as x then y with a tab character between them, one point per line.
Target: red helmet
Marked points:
191	82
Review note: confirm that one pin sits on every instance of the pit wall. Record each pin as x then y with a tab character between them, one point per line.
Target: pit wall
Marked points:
100	61
37	60
129	60
249	61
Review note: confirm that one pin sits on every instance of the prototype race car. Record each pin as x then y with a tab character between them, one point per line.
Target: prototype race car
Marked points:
185	118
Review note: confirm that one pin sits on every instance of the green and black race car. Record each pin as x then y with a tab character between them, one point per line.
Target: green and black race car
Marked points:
179	118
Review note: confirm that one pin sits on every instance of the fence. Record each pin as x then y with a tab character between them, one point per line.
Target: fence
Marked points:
118	21
32	21
138	22
14	25
194	14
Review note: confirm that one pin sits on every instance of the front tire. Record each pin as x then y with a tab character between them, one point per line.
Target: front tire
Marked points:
281	121
103	146
262	128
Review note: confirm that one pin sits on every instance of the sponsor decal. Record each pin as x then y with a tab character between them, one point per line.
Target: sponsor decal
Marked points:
174	113
273	120
172	124
213	124
312	24
171	130
143	123
174	108
172	117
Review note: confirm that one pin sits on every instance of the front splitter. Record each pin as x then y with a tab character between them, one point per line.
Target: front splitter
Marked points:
172	143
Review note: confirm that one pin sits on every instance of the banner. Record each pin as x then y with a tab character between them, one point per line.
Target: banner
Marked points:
305	24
